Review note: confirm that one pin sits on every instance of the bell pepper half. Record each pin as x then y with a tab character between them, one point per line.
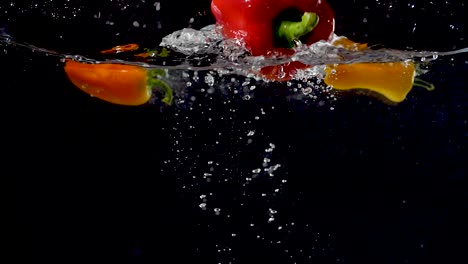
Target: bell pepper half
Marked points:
266	26
393	80
272	27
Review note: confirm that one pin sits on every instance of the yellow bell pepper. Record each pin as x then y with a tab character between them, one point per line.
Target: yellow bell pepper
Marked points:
394	80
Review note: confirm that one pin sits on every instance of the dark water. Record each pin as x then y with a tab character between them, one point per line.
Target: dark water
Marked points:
221	179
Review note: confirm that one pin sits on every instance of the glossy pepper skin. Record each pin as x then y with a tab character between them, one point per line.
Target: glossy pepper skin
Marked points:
253	21
117	83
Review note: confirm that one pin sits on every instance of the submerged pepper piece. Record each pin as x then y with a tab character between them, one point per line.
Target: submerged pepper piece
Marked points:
116	83
392	80
122	48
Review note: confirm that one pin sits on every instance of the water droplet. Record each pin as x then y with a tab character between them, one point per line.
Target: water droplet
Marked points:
306	91
157	5
209	79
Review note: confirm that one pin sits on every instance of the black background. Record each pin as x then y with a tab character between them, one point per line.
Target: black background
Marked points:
366	183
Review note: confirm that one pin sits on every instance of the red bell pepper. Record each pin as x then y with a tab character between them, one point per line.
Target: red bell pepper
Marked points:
269	27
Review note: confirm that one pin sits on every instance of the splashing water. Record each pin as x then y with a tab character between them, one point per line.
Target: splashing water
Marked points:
231	54
213	52
190	50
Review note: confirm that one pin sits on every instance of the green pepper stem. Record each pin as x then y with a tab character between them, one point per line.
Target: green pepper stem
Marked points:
154	81
421	83
292	31
163	53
